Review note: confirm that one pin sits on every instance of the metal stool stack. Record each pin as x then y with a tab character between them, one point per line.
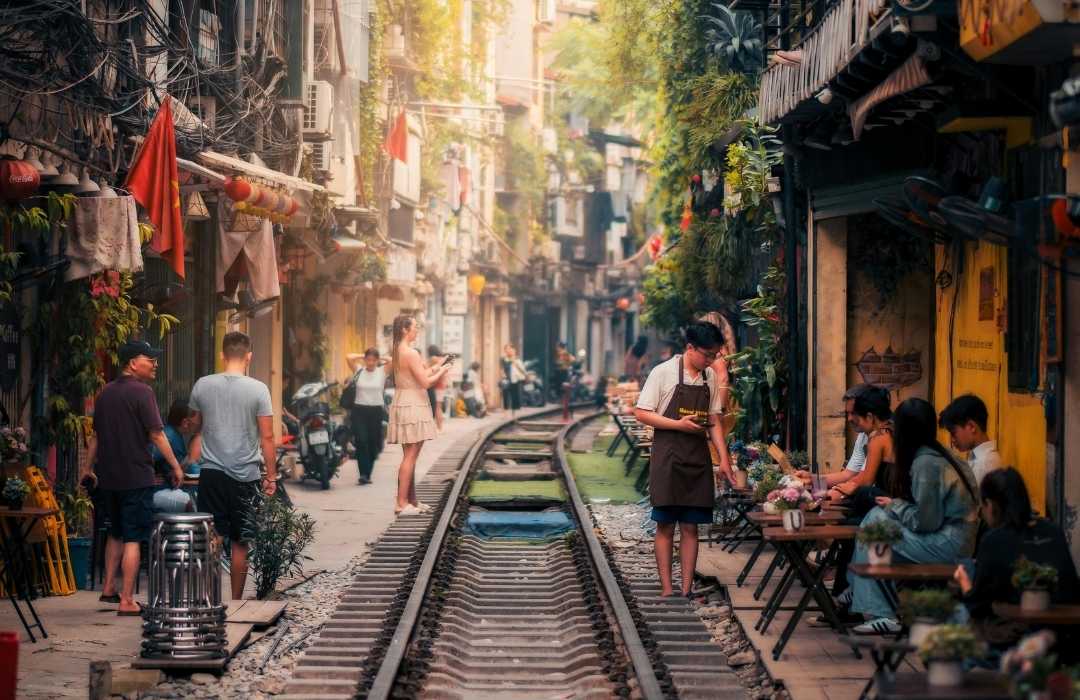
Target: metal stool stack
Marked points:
184	617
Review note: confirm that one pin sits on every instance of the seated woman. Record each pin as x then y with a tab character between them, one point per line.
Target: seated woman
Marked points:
1013	532
937	513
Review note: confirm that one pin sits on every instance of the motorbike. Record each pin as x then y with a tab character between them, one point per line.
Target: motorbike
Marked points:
321	442
532	389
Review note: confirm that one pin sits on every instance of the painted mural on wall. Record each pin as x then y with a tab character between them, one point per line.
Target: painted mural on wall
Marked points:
890	369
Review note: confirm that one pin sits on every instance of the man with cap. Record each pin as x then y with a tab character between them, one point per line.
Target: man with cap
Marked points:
126	420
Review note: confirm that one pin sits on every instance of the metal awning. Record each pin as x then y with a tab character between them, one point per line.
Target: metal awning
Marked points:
236	165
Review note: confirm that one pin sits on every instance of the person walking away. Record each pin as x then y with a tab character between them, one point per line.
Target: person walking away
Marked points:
411	420
235	418
366	414
680	401
965	419
435	393
179	427
937	512
513	375
126	418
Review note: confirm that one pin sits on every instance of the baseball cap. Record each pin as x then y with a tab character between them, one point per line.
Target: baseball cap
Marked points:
133	348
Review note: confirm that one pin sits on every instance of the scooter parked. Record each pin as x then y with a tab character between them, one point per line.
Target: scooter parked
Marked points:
532	389
321	441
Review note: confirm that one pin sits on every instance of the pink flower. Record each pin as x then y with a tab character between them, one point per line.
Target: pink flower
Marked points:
791	494
22	447
773	495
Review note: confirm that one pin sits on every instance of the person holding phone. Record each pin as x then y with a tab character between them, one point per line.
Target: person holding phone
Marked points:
412	422
682	402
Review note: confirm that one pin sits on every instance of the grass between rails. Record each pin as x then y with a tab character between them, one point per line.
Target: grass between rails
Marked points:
599	476
489	489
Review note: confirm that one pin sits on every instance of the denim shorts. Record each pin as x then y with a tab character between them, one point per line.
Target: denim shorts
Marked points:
682	514
130	513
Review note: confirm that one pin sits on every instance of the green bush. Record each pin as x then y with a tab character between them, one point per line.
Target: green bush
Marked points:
277	537
880	532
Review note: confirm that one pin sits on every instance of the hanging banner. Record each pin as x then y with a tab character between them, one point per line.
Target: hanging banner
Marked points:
456	296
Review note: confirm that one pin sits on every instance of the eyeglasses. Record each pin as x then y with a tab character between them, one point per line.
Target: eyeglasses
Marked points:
708	355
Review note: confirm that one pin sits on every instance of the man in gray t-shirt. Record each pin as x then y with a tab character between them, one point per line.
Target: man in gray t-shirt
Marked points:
237	438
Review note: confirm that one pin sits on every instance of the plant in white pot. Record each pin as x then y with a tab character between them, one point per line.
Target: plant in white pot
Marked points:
1034	581
879	538
925	611
944	650
768	482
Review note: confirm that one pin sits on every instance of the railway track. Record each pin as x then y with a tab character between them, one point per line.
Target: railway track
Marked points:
501	592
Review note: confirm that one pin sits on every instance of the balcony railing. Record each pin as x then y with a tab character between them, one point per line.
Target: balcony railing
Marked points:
822	52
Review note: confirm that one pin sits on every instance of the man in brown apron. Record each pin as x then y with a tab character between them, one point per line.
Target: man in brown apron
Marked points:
681	401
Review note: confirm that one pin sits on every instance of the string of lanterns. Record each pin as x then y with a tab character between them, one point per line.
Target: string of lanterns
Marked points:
259	201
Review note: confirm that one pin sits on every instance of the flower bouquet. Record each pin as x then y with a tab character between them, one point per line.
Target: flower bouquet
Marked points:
1034	582
788	499
944	650
1034	672
13	445
879	538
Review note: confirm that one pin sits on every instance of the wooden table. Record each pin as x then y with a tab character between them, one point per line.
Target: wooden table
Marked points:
978	685
15	527
760	519
792	546
1056	615
887	577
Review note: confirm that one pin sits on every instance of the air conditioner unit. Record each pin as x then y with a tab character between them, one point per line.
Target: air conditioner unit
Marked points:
545	11
318	105
321	155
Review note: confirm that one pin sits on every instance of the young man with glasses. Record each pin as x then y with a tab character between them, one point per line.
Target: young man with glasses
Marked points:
683	404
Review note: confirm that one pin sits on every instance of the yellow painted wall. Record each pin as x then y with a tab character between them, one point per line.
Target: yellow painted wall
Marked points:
978	362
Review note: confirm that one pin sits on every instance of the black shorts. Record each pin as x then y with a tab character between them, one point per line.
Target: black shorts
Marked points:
130	513
228	500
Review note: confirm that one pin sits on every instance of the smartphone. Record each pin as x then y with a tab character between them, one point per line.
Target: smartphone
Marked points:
449	359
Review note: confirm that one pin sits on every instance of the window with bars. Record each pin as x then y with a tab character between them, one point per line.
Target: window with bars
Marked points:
209	51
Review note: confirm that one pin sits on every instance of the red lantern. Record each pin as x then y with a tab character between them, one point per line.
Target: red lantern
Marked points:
622	304
656	244
294	206
237	189
18	180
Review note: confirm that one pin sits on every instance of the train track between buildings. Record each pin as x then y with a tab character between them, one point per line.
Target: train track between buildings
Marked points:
511	597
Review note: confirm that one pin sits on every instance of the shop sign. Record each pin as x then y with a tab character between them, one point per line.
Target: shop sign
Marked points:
456	296
10	346
454	334
401	266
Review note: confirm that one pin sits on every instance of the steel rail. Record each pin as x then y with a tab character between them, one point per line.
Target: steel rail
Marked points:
384	681
643	668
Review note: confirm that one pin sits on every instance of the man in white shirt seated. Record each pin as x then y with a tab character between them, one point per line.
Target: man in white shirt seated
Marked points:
966	419
857	461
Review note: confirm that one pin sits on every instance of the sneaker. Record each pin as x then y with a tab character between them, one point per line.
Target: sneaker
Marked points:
882	625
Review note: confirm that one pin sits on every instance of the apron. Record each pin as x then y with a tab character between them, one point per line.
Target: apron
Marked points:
680	469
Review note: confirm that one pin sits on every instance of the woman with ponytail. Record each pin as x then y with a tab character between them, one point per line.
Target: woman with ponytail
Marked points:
937	514
411	419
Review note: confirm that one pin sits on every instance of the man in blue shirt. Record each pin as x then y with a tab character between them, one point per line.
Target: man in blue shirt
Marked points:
179	425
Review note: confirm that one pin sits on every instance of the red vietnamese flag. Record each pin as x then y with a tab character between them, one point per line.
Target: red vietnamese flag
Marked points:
397	140
154	184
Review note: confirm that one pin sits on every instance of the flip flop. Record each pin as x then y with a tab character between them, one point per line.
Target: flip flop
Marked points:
114	598
131	613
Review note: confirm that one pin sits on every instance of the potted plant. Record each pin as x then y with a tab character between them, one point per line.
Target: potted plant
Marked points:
766	484
14	492
944	650
788	501
925	611
1033	671
79	519
13	450
879	538
1034	582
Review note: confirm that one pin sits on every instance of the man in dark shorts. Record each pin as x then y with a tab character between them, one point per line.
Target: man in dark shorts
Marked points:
126	420
683	404
236	420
